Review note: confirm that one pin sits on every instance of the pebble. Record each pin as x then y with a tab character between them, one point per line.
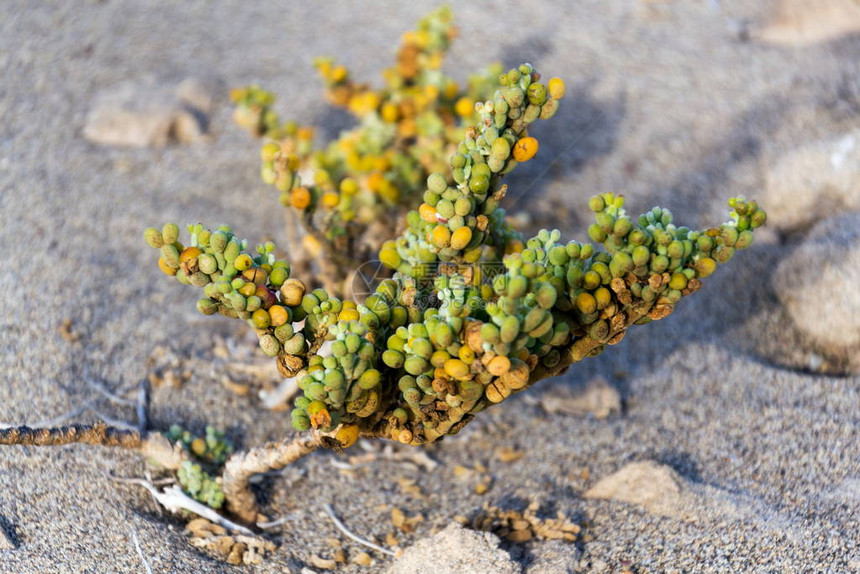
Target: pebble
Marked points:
810	182
817	284
456	550
7	541
597	398
362	559
847	492
801	22
322	563
656	487
660	490
149	114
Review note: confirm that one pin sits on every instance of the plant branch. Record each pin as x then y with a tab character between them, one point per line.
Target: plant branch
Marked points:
153	446
271	456
584	346
96	434
173	499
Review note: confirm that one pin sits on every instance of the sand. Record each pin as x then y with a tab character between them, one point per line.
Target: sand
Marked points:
669	103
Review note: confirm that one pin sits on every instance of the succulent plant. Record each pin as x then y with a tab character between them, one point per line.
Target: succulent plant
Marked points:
473	312
349	194
200	485
213	448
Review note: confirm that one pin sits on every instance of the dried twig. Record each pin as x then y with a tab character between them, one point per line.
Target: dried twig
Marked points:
102	390
143	405
173	499
137	547
133	480
415	456
330	511
275	523
341	465
154	446
97	434
87	406
54	421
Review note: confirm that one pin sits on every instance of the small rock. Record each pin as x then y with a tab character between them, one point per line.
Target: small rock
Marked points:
196	94
456	550
801	22
509	454
597	398
662	491
362	559
818	285
847	492
237	554
813	181
654	486
7	540
203	528
148	114
322	563
224	544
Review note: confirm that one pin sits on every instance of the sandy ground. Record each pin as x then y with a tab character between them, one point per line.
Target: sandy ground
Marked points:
666	103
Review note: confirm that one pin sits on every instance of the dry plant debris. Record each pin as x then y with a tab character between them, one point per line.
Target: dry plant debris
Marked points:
405	523
410	487
516	526
66	331
235	549
509	454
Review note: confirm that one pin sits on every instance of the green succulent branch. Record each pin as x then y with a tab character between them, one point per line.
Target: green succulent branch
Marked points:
348	195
